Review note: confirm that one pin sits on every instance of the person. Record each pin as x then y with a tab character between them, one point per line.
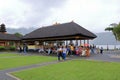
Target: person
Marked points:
72	49
92	48
41	49
83	52
49	50
25	48
68	50
20	48
77	50
101	50
59	52
98	50
87	51
80	50
64	52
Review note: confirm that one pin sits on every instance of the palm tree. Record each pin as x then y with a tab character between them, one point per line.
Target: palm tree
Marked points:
111	28
117	31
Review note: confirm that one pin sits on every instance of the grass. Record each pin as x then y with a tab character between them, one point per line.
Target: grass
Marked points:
14	60
7	55
73	70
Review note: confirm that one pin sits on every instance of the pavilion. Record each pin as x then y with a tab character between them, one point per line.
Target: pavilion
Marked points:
59	32
7	39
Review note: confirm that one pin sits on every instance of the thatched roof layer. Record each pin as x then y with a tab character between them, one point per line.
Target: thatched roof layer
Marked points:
8	37
64	31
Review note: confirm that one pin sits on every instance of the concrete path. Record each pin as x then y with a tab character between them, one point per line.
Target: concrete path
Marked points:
5	76
111	56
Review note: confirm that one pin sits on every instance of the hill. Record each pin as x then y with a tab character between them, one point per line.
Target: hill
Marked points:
105	38
20	30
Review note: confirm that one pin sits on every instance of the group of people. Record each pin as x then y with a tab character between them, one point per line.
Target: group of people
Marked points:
63	51
96	50
85	51
23	48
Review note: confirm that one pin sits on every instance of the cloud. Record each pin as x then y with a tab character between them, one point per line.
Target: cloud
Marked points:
41	10
26	13
12	12
94	15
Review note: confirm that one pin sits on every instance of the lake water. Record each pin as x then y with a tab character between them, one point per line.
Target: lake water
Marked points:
109	46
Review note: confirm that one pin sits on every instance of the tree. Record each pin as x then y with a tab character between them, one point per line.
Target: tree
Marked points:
2	28
117	31
111	28
18	34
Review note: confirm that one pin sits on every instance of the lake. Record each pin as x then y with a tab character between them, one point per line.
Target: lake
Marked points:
109	46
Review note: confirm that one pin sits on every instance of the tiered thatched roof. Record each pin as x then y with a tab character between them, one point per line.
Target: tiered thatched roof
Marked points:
66	31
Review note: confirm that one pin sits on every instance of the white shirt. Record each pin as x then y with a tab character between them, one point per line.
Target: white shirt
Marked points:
59	49
64	50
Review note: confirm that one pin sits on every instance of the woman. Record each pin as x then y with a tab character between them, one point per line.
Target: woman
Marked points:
64	52
83	52
60	51
87	51
80	50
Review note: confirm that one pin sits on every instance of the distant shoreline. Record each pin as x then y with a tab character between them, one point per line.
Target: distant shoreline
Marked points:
109	46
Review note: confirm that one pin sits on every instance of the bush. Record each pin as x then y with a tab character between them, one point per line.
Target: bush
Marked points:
12	48
2	48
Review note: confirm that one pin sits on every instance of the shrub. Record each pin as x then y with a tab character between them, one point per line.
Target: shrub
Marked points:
12	48
2	48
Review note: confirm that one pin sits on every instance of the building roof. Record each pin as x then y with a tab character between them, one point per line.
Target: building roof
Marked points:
66	31
11	37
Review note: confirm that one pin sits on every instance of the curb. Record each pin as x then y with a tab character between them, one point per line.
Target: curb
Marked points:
8	74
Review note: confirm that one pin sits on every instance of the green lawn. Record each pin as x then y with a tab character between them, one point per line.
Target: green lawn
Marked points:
15	60
73	70
7	55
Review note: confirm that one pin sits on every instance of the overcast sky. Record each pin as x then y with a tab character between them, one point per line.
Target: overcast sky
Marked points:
94	15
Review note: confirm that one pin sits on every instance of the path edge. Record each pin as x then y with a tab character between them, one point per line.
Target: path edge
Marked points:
9	74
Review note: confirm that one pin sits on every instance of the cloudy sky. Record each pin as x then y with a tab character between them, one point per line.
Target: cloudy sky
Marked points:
94	15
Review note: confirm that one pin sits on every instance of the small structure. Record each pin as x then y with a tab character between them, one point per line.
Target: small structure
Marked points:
7	39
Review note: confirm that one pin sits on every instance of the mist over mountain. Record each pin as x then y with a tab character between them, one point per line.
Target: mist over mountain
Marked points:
20	30
105	38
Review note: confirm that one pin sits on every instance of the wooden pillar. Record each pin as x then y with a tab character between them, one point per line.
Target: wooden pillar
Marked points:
84	41
71	42
80	42
87	41
66	42
76	43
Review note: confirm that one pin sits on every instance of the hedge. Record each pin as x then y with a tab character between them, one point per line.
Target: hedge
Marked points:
12	48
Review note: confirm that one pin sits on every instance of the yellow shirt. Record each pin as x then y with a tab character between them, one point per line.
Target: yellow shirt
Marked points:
72	48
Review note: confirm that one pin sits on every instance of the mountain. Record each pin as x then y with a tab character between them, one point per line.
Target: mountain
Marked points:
105	38
20	30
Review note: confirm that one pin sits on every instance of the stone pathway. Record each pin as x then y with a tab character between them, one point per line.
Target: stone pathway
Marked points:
107	56
104	57
5	76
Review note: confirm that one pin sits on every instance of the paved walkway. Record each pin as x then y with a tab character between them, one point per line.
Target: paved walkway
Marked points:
5	76
113	56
